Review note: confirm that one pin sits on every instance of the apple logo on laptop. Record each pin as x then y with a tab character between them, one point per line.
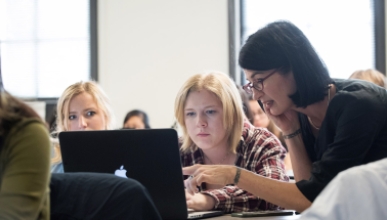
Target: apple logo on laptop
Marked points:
121	172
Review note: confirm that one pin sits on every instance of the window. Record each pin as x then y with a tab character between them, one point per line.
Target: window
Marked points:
45	46
342	32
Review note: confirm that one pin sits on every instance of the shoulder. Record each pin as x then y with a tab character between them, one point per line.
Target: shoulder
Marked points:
371	171
360	95
28	132
358	90
28	125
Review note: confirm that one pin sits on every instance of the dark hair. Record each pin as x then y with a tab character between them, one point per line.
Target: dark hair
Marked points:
139	113
283	46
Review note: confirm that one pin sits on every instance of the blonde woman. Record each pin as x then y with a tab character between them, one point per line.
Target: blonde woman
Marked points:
370	75
209	110
24	161
82	106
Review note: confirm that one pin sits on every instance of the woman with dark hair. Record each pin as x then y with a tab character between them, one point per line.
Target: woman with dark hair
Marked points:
136	119
328	125
24	161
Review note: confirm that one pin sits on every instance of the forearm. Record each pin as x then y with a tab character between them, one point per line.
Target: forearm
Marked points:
301	164
283	194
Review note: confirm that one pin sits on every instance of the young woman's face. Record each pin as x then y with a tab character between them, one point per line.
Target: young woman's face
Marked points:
203	116
134	122
260	118
84	114
276	90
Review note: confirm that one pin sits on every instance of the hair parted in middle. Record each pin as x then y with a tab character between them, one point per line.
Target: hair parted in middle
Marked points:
139	113
95	91
281	45
224	88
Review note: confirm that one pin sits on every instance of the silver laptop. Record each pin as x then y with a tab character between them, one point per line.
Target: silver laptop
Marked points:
150	156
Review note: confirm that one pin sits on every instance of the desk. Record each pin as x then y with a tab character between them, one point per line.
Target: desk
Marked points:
228	217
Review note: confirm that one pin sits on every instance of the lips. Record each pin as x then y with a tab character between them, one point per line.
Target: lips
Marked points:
267	104
203	135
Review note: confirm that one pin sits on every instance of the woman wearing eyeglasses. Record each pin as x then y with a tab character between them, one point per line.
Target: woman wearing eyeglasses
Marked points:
328	125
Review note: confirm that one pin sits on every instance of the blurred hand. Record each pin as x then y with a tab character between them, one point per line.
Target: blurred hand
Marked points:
199	201
211	174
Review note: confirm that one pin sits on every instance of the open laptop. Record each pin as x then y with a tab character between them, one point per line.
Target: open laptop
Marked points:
150	156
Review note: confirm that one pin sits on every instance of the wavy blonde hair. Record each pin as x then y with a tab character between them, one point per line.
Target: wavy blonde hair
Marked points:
91	88
99	97
225	89
370	75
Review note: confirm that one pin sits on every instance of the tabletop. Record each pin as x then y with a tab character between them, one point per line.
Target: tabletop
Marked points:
229	217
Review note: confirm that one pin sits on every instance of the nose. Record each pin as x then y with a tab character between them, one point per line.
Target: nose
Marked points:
82	122
201	121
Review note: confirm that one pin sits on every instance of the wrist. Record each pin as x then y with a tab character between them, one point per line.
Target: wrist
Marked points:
292	134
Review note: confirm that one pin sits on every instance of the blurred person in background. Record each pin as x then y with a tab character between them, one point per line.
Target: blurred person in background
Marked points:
136	119
370	75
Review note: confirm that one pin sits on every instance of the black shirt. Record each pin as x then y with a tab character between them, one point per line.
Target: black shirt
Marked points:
353	132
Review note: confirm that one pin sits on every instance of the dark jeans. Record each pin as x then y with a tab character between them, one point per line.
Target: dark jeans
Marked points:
99	196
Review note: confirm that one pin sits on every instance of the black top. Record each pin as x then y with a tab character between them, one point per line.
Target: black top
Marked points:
354	132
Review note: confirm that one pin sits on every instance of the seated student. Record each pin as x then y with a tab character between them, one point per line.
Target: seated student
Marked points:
370	75
260	119
82	106
328	125
357	193
24	161
136	119
209	110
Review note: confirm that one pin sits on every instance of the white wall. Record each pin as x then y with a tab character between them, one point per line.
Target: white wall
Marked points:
148	48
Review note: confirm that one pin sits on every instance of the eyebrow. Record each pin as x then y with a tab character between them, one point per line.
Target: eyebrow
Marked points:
256	73
208	106
88	109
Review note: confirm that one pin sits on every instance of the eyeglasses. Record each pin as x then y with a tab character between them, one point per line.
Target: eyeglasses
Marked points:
258	84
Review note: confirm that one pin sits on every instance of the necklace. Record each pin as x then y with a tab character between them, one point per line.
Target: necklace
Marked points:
329	99
221	162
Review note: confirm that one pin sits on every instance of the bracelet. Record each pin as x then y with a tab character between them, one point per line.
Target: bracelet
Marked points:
292	135
237	175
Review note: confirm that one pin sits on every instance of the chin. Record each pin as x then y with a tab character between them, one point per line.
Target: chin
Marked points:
275	112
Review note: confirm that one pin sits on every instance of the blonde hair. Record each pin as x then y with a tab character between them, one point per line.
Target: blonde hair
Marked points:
224	88
370	75
91	88
62	109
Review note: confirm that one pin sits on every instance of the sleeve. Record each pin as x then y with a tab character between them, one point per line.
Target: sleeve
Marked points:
265	157
353	125
24	187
